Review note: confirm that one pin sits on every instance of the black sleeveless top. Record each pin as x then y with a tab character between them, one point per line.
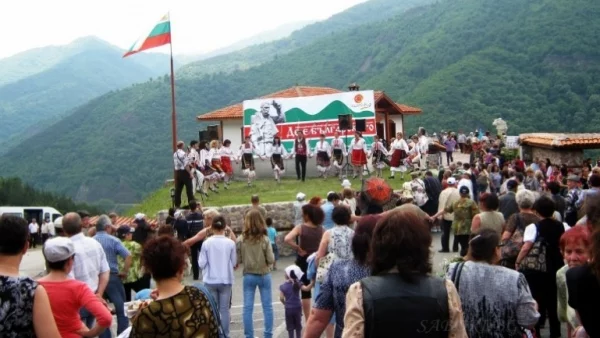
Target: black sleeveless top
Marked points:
394	307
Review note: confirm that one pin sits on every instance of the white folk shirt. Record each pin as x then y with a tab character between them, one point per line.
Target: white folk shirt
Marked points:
204	156
399	144
358	145
180	159
213	154
279	150
338	143
33	228
226	152
323	146
194	157
423	144
246	149
378	146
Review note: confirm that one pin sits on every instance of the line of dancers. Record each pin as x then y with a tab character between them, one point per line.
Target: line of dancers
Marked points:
212	162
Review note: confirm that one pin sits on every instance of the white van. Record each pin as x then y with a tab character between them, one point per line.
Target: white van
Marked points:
29	213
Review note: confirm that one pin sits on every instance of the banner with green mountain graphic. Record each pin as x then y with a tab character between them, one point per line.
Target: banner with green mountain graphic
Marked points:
313	115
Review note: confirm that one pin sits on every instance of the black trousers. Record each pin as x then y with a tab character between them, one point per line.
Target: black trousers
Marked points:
301	167
138	285
446	227
183	179
543	290
195	250
449	157
33	240
463	240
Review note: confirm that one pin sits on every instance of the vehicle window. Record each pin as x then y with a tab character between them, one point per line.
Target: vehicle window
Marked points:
46	215
55	216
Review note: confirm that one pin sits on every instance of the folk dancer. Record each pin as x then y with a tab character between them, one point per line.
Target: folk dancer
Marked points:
246	155
399	150
183	175
194	158
339	152
358	146
211	176
277	156
226	157
414	154
378	156
423	148
300	152
323	152
215	159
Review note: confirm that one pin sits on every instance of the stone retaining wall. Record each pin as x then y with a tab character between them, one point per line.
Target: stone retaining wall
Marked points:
282	214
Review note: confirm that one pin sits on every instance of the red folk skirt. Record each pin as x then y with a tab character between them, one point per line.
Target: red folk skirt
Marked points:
359	158
226	165
397	156
216	164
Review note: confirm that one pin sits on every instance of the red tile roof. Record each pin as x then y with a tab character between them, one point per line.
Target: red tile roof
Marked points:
558	140
123	221
236	111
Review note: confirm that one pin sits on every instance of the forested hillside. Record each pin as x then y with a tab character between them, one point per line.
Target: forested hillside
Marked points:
89	67
13	192
367	12
534	63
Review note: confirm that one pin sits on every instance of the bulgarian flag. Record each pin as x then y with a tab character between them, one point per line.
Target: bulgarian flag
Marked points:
158	36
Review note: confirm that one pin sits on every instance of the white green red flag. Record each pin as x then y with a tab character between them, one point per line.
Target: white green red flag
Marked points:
158	36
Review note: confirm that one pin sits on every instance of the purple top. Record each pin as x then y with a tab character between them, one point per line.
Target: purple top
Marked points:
291	292
450	145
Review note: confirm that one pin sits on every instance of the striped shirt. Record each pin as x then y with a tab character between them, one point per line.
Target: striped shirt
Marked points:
112	248
89	262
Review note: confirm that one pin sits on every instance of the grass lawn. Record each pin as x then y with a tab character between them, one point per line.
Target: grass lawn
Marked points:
268	190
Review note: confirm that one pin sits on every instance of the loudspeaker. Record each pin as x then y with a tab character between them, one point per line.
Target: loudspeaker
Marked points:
361	125
213	132
345	121
202	136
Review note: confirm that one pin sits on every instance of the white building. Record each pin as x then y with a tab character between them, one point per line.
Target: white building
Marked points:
389	115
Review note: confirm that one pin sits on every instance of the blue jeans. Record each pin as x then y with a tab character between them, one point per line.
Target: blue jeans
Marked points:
116	295
263	282
222	295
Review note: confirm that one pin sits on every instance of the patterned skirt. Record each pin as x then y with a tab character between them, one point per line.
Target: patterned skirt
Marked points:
216	164
247	162
277	160
338	156
323	159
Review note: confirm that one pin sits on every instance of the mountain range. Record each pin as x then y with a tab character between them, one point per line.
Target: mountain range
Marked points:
42	85
533	63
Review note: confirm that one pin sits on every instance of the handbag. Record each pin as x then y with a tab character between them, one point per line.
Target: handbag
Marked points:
512	247
536	257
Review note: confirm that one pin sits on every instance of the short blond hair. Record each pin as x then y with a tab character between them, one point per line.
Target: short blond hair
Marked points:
214	143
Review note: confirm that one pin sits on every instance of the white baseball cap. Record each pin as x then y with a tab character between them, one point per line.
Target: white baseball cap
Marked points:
300	196
346	184
58	249
139	216
451	181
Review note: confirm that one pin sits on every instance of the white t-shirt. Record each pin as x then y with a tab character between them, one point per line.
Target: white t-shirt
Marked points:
531	232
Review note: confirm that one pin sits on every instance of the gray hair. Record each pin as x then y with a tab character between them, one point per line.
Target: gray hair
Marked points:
71	223
525	199
103	223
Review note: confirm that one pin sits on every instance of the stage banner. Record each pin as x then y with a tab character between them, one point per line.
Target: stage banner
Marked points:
313	115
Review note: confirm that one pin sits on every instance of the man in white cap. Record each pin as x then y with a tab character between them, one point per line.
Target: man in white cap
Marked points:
346	184
142	228
447	197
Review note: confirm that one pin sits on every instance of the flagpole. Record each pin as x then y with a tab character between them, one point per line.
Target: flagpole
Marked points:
173	111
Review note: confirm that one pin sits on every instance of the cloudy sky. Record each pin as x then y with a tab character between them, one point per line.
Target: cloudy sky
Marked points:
198	26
